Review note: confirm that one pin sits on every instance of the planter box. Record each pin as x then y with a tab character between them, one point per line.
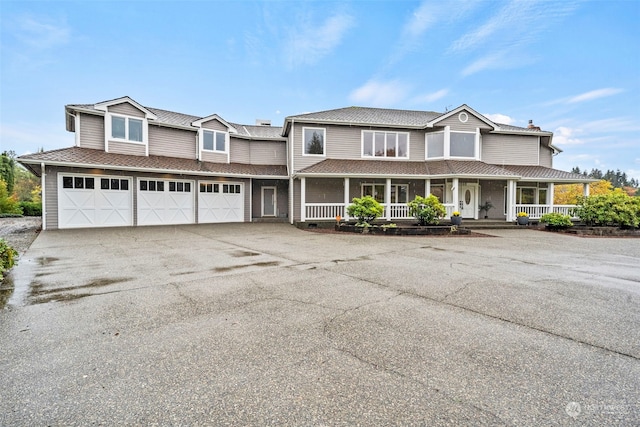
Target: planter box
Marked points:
434	230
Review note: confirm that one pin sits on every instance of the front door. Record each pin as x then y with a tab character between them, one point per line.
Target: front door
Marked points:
269	201
468	203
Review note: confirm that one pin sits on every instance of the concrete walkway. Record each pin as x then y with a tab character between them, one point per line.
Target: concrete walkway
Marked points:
265	324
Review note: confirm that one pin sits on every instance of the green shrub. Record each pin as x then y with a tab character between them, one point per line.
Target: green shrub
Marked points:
7	257
556	220
615	209
427	210
8	204
31	208
366	209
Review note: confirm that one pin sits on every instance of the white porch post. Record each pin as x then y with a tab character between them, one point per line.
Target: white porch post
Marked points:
455	195
511	200
303	199
585	190
43	195
427	187
346	198
551	188
387	198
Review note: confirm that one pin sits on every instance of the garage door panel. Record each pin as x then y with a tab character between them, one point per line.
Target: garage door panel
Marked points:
216	202
164	202
82	203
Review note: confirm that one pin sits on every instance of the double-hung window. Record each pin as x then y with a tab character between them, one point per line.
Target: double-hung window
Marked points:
385	144
126	128
213	140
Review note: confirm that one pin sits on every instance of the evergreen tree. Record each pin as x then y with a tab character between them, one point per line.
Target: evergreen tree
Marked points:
7	169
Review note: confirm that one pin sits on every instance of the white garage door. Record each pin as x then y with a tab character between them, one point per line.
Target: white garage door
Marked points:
94	201
162	202
220	202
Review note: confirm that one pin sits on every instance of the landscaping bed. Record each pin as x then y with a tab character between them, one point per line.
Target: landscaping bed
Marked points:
403	230
585	230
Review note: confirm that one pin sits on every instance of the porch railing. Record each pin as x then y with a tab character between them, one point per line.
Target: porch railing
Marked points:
325	211
536	211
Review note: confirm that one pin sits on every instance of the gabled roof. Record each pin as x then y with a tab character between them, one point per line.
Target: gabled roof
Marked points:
366	116
102	106
90	158
198	123
179	120
463	107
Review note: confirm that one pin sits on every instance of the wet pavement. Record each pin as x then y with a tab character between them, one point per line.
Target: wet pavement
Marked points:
264	324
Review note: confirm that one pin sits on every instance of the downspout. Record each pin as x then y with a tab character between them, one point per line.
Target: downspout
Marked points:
43	196
291	186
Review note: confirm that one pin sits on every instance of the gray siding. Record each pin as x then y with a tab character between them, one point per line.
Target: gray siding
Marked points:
268	153
126	109
215	125
510	149
470	126
328	190
207	156
240	151
51	197
493	191
546	156
91	131
345	142
127	148
282	196
170	142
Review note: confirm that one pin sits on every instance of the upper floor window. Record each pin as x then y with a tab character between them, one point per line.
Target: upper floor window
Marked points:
448	144
462	144
385	144
314	141
126	128
214	140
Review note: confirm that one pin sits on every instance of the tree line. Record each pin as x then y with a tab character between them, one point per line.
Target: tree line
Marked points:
617	178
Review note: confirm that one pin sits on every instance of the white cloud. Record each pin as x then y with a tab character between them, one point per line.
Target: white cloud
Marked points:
309	43
500	118
566	136
40	34
431	97
377	93
594	94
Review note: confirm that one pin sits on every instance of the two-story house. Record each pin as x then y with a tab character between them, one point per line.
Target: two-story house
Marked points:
133	165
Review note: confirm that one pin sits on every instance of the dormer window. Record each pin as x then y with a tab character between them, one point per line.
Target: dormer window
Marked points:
126	128
213	140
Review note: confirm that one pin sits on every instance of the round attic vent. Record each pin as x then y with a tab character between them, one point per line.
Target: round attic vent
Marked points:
463	117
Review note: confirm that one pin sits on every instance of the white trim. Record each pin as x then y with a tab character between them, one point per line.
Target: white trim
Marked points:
466	117
77	129
346	197
426	145
387	195
43	195
373	141
475	145
324	142
463	107
303	196
476	197
104	106
198	123
427	187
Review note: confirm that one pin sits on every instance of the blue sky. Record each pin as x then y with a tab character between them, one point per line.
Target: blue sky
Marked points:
573	67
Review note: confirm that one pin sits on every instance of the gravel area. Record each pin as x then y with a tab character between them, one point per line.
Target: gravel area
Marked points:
20	232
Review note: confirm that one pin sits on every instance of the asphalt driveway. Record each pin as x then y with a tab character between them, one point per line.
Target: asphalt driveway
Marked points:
264	324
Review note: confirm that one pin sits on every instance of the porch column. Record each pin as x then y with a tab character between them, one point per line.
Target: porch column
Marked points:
551	188
511	200
427	187
43	195
585	190
455	195
346	198
387	199
303	199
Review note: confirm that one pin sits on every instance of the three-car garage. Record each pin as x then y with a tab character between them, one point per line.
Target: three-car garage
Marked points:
108	201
